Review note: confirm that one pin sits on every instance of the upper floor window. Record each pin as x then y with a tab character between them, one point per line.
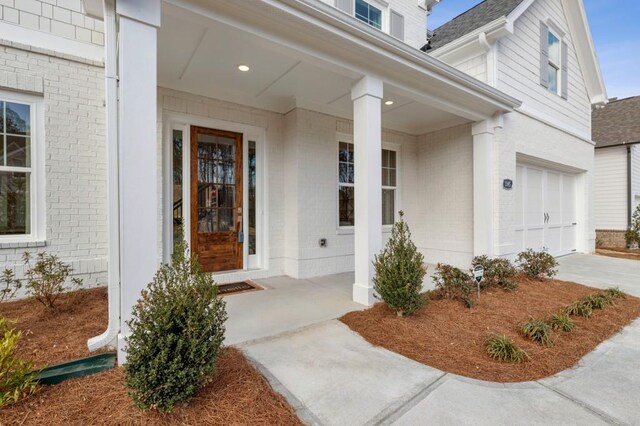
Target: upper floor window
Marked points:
18	175
369	14
553	61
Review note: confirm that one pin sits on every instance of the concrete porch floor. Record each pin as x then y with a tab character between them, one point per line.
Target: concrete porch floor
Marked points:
287	304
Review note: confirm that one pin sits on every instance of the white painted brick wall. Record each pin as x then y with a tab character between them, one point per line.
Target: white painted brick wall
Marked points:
415	19
475	67
64	18
444	229
76	207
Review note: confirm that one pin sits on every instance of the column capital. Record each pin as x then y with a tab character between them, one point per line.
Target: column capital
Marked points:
488	126
367	86
147	11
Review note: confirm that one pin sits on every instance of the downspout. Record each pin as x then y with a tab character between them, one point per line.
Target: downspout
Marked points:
629	188
109	337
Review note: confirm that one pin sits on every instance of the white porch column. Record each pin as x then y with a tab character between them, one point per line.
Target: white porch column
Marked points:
138	165
483	202
367	136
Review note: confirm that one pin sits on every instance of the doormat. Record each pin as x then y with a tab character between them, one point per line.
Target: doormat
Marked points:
239	287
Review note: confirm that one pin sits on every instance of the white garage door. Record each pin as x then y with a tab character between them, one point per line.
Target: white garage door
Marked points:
545	210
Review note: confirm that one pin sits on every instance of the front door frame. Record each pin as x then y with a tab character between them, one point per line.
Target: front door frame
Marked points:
183	122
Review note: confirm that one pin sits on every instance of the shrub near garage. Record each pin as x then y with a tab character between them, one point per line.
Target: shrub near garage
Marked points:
177	328
537	265
454	283
498	272
633	233
399	272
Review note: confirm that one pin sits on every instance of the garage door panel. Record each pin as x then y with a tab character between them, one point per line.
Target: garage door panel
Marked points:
545	210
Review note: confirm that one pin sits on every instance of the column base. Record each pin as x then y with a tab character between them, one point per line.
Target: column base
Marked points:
363	295
122	353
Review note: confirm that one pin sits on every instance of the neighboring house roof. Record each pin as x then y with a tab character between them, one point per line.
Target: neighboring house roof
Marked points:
472	19
617	123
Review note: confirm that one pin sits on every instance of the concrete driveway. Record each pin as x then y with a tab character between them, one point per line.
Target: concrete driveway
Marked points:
332	376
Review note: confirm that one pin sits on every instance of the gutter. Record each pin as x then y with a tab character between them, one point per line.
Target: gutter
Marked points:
109	337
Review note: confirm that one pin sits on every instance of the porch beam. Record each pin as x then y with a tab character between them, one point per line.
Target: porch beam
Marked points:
367	95
138	162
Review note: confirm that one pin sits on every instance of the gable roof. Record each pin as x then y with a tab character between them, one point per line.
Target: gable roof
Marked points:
474	18
617	123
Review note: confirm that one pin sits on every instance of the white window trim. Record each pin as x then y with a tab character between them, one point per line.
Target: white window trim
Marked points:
38	212
348	138
383	6
557	66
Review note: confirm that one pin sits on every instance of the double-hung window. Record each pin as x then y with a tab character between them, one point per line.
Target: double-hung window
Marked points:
18	178
554	62
346	188
369	14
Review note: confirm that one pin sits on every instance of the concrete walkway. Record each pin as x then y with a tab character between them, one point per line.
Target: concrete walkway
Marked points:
332	376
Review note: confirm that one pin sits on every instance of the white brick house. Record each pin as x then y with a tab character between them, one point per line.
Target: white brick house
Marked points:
286	135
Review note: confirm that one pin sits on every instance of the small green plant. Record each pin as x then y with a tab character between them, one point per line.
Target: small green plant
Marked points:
562	322
633	233
453	283
502	348
498	272
9	285
580	309
399	272
538	331
17	379
597	301
45	280
177	328
614	293
537	265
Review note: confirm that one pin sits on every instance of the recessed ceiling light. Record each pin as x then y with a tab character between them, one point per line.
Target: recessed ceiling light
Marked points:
388	103
243	68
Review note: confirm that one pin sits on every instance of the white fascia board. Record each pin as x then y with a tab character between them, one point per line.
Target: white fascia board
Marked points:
473	43
481	39
576	17
380	47
93	8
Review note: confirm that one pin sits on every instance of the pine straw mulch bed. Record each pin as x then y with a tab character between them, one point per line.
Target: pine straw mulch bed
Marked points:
621	253
450	337
237	394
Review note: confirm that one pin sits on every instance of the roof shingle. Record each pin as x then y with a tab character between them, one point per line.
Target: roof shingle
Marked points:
472	19
617	123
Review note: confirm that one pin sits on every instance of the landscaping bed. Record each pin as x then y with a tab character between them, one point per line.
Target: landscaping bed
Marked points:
450	337
622	253
236	394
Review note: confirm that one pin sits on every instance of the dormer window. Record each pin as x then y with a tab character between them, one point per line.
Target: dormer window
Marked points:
369	14
553	60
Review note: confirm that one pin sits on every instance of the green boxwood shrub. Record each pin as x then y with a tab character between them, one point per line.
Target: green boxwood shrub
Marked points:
399	272
633	233
177	328
17	378
498	272
454	283
537	265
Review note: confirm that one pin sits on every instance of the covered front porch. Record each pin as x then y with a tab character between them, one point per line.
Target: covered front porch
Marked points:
284	137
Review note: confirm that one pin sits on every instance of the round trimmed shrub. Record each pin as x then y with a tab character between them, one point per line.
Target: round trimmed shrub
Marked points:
177	328
537	265
498	272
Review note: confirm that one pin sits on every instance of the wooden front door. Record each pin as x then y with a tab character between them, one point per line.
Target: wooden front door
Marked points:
216	199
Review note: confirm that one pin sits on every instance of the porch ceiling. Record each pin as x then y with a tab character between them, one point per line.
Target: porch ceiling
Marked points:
201	56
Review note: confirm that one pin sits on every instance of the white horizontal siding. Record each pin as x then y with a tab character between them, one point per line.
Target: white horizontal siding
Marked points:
415	19
635	174
611	188
519	69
